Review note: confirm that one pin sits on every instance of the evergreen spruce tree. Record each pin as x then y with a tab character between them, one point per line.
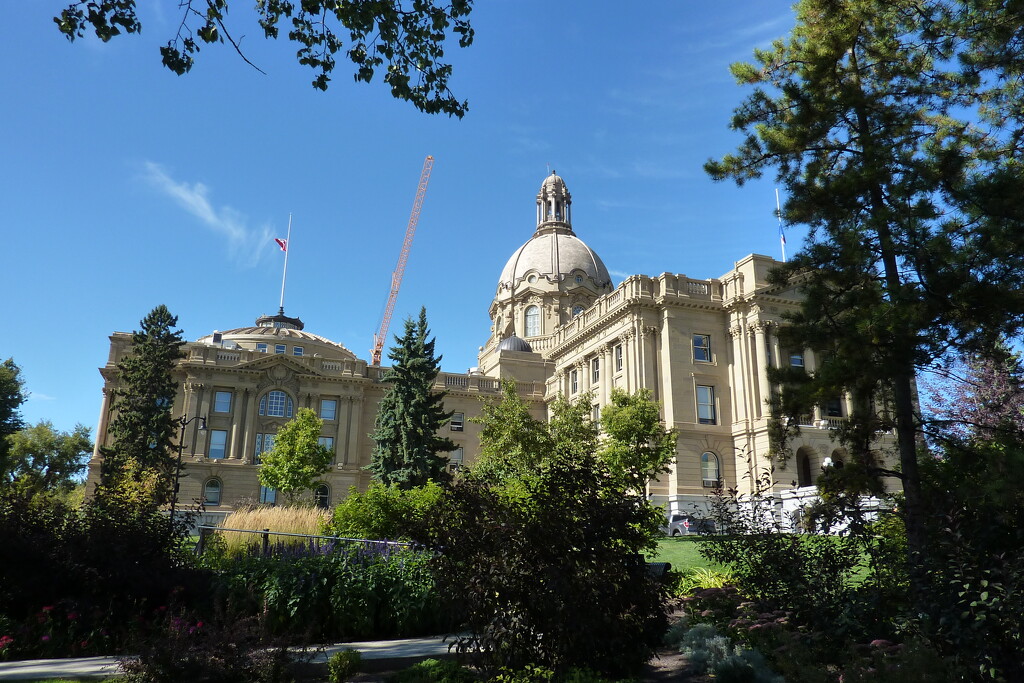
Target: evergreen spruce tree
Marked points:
12	395
895	127
407	445
141	457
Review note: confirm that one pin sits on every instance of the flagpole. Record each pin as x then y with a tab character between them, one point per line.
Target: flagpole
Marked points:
287	250
782	235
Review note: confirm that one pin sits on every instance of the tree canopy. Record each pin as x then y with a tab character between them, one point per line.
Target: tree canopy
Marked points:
637	447
407	445
512	442
12	395
43	459
298	459
406	40
895	128
142	430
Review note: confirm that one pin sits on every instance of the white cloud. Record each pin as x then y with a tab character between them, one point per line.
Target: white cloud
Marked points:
245	244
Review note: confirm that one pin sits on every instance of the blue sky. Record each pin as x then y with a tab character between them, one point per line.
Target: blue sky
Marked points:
125	186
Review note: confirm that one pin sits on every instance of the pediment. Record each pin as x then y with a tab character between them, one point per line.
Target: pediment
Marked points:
276	364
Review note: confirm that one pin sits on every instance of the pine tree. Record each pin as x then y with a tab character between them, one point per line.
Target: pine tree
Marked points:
12	395
407	444
895	126
142	452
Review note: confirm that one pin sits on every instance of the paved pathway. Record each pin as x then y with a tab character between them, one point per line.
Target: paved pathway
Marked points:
102	667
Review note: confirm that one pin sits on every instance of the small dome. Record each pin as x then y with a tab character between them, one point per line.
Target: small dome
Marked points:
514	343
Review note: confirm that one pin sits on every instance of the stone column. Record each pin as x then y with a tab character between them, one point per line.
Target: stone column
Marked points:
104	422
355	415
249	443
238	424
761	354
737	389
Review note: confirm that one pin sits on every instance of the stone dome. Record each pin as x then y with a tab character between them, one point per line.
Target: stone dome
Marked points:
554	256
515	343
554	252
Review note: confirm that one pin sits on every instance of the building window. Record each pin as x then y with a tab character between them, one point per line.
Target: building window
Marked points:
328	409
702	348
218	444
576	310
457	421
297	351
532	321
280	348
268	496
261	347
211	492
328	443
264	442
322	496
574	381
595	412
595	370
579	279
455	459
277	404
222	402
710	474
618	358
706	405
834	407
796	359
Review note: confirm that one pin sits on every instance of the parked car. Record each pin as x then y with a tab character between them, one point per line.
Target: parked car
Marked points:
685	525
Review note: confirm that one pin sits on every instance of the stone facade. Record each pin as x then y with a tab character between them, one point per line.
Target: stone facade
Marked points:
701	346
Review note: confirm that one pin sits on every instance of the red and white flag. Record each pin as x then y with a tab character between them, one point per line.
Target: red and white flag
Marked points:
282	243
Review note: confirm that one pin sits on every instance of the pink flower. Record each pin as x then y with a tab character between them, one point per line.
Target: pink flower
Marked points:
880	643
45	639
48	608
5	641
72	616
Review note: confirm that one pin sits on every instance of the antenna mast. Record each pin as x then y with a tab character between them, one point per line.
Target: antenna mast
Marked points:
396	277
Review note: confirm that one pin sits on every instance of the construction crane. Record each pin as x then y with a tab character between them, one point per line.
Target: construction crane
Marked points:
396	277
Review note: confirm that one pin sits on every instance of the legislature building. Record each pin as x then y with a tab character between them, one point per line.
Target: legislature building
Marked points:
559	326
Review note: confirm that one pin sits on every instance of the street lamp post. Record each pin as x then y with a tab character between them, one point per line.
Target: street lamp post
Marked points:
183	422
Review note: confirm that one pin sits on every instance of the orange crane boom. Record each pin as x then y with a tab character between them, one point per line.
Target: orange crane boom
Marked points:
396	277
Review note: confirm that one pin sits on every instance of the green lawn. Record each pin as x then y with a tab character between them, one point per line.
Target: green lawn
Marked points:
681	552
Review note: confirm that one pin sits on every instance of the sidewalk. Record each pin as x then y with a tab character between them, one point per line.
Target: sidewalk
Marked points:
105	667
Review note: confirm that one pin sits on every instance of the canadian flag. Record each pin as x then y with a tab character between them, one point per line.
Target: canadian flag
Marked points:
282	243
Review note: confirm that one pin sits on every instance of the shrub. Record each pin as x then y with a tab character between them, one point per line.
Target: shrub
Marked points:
554	579
187	648
435	671
383	512
79	581
337	590
343	664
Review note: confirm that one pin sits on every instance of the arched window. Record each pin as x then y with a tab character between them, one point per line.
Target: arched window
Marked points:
322	496
710	472
532	321
211	492
803	469
277	404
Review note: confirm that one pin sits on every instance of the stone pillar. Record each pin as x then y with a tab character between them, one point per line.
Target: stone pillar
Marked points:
355	415
104	422
338	432
761	354
249	443
238	424
199	438
737	389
